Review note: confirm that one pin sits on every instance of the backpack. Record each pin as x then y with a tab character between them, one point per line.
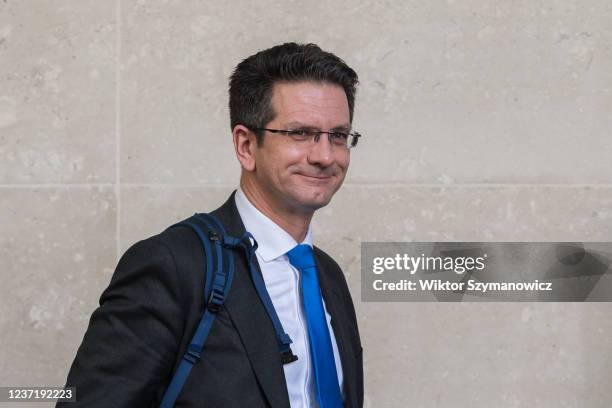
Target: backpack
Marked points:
219	251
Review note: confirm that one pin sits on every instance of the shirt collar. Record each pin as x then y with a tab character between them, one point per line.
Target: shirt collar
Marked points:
272	240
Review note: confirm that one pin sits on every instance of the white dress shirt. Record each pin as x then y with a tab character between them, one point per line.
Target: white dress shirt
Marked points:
283	284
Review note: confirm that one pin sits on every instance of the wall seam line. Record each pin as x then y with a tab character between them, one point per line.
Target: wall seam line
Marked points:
118	128
367	185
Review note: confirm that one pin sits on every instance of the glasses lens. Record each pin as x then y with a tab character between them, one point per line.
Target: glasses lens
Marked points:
338	138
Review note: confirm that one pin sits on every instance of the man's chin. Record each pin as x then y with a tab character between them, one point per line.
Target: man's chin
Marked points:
312	203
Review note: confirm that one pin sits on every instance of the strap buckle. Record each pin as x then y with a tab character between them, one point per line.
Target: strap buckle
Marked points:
288	357
192	355
214	236
215	301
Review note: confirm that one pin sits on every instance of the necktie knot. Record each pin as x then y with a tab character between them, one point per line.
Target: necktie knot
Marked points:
301	256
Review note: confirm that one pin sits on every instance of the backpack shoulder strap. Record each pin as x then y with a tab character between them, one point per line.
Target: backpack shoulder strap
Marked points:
218	280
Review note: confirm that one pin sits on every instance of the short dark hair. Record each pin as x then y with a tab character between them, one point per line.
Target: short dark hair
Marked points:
251	83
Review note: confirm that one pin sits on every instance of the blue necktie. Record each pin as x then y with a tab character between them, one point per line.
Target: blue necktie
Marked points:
321	352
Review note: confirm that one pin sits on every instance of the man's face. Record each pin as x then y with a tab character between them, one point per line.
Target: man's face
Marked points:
303	176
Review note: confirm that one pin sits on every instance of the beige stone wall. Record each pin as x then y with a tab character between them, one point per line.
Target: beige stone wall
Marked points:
483	120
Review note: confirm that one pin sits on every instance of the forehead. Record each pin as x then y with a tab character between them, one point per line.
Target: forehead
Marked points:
313	103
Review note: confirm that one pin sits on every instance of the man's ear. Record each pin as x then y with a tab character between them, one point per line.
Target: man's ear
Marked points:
245	144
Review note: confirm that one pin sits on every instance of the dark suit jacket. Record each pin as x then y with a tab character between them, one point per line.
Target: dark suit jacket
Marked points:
151	308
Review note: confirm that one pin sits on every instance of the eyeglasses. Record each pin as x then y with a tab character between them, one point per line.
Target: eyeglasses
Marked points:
336	137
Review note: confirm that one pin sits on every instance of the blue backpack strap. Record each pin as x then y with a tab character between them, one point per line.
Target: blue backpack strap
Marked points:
282	338
223	277
217	285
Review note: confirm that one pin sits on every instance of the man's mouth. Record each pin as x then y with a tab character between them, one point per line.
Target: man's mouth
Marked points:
320	177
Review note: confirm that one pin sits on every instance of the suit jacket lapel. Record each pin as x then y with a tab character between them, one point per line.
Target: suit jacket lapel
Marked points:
339	321
251	320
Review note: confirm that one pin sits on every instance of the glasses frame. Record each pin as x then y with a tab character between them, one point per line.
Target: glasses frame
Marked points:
318	133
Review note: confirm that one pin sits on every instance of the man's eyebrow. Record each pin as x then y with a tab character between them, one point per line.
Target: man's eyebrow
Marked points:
300	125
345	126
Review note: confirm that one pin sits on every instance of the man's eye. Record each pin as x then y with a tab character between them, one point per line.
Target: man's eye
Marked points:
300	133
339	137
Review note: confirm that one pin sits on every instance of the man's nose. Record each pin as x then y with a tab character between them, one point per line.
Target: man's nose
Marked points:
321	151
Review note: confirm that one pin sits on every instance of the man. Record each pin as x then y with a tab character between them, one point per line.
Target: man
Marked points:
291	110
